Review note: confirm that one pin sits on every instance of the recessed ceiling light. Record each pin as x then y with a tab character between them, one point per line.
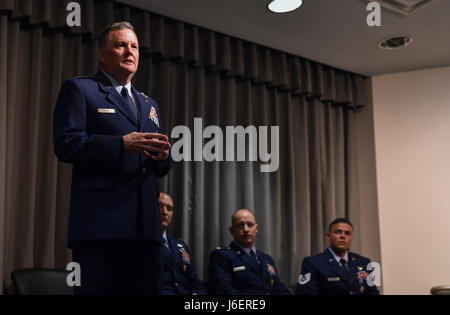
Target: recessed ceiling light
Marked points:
283	6
395	42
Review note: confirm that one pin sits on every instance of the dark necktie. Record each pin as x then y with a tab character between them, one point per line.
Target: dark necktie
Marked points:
344	264
129	100
253	255
166	244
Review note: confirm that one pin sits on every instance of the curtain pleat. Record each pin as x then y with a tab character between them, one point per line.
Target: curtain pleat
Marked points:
3	143
193	73
205	48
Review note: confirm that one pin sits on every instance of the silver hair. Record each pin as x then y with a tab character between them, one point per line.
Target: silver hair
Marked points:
103	40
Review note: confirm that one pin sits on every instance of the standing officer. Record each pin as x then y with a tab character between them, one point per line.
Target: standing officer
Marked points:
112	134
336	271
240	268
179	273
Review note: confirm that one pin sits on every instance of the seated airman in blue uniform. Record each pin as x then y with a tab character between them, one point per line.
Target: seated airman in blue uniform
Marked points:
336	271
240	269
179	272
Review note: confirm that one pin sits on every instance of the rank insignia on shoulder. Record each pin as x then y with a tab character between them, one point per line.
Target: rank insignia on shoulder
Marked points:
218	247
240	268
304	279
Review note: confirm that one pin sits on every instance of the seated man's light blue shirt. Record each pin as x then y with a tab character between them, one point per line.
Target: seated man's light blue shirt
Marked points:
337	258
247	250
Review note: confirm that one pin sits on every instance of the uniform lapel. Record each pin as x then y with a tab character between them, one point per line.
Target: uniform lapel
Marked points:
142	104
175	250
263	266
353	266
148	111
114	97
249	261
334	265
169	254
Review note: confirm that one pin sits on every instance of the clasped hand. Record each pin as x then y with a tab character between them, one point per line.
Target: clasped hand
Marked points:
152	145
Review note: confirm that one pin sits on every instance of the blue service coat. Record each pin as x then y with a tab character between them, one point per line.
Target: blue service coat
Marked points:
322	275
234	272
114	193
179	272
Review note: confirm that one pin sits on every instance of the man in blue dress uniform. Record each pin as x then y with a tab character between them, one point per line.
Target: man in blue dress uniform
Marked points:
112	134
336	271
240	269
179	272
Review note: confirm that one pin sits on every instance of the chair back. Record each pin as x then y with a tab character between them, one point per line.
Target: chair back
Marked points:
41	281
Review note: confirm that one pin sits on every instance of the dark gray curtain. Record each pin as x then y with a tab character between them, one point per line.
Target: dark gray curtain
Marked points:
191	72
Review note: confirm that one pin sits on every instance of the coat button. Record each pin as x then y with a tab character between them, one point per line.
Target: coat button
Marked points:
176	284
144	170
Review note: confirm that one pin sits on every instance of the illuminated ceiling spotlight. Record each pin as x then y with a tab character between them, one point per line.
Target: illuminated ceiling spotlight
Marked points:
283	6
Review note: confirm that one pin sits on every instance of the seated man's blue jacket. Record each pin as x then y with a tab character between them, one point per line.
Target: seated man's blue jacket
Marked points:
234	272
179	272
322	275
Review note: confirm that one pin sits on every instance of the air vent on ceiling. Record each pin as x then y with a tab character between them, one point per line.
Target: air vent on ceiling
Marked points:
405	7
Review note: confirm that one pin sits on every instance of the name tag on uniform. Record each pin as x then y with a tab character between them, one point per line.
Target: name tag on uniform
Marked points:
106	110
334	279
240	268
